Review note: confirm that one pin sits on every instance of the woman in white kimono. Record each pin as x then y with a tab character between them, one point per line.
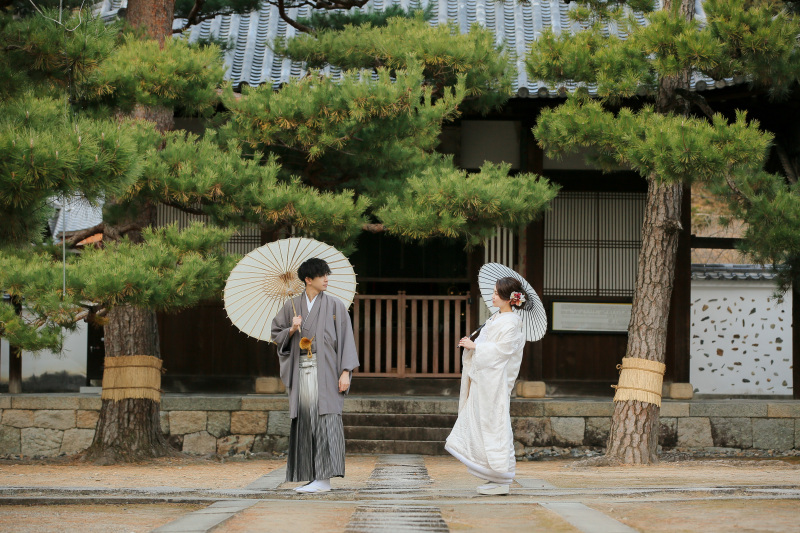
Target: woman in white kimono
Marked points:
482	438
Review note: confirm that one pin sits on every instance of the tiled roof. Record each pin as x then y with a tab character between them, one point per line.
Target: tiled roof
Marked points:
515	25
732	272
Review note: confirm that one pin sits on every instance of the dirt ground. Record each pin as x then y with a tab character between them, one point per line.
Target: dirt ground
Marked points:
452	488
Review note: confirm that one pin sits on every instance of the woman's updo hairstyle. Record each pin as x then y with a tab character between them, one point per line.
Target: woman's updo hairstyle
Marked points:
507	286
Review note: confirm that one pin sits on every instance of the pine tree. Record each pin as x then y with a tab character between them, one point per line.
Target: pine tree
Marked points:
672	141
89	112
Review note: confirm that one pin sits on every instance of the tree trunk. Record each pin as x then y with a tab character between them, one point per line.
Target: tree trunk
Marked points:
129	430
155	16
633	438
15	358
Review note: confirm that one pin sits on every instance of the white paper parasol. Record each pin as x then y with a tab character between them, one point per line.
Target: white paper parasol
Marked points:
534	319
264	279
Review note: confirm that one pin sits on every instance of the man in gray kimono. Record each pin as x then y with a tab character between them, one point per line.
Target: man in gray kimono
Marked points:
317	354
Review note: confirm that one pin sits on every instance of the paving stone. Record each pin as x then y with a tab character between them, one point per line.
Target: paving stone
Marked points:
5	402
184	422
694	432
578	408
86	419
52	419
568	431
49	401
783	410
674	409
524	407
18	418
248	422
731	408
773	433
233	444
200	443
76	440
668	432
219	423
597	430
163	420
264	403
40	442
9	440
270	444
732	432
532	431
201	403
280	424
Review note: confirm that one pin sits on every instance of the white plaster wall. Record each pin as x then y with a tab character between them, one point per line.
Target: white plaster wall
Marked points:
741	338
72	358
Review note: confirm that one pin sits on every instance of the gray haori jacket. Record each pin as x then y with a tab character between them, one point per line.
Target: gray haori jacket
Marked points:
332	332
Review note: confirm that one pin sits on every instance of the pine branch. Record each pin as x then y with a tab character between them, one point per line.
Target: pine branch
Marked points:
374	228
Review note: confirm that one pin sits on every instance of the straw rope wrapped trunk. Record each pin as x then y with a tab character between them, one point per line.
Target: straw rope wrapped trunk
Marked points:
129	428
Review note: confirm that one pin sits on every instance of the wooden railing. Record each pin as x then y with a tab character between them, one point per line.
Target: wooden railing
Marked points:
405	336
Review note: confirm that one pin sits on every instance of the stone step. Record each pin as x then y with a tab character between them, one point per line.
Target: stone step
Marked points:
395	446
396	433
399	420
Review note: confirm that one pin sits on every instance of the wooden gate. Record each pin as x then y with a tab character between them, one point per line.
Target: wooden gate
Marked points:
410	336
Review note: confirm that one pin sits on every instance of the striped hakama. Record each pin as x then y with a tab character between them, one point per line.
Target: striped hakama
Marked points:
316	442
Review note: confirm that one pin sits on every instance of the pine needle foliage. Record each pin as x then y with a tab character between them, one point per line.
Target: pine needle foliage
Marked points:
338	20
444	53
752	41
467	206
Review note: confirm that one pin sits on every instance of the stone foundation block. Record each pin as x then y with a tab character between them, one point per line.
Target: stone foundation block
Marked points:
248	422
76	440
52	419
784	410
773	434
269	385
668	432
5	402
579	409
597	430
532	431
219	423
522	408
279	423
40	442
270	444
674	409
732	432
9	440
519	449
694	433
163	420
233	444
568	431
18	418
797	434
531	389
681	391
86	419
199	443
185	422
47	401
266	403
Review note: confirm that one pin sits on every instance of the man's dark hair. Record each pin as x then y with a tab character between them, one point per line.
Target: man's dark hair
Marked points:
312	268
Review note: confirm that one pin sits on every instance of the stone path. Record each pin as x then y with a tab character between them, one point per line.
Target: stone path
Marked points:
413	493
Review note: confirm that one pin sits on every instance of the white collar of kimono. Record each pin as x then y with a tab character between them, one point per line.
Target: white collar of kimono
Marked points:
310	303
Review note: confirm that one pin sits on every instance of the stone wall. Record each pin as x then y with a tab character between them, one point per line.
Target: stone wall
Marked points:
56	424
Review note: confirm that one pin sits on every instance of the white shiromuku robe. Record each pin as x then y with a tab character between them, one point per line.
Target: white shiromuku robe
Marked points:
482	438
